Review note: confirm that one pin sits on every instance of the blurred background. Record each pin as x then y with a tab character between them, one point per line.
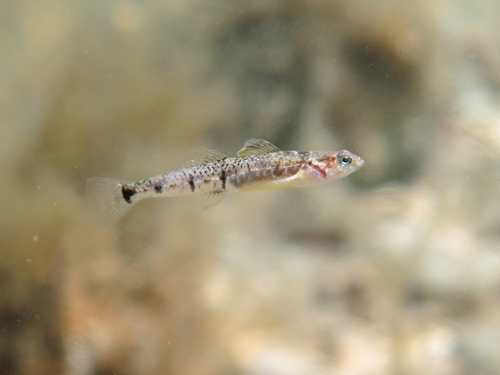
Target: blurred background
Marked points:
393	270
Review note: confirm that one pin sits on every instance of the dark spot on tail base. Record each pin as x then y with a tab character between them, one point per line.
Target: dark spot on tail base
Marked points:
158	188
127	193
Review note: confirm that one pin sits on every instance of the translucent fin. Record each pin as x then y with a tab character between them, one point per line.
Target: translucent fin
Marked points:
208	200
257	147
204	156
106	199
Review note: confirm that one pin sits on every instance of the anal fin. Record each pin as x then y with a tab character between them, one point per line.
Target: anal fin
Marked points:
203	201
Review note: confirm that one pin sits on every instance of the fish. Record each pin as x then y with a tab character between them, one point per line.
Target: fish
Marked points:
259	165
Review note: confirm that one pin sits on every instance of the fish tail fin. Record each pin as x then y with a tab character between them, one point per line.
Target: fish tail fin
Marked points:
106	199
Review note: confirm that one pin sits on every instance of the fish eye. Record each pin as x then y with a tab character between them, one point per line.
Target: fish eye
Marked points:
345	160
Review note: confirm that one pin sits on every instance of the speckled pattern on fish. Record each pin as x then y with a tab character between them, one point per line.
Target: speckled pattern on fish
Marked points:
259	165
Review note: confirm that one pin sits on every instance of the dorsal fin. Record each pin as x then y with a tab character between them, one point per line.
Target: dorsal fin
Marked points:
257	147
204	156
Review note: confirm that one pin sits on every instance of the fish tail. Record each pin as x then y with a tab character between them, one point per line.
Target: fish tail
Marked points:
107	200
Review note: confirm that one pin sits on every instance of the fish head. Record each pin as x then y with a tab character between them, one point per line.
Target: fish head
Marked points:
347	163
334	165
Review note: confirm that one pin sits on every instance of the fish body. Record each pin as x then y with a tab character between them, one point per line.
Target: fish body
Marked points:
259	165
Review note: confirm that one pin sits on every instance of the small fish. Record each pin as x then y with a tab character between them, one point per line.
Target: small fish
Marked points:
259	165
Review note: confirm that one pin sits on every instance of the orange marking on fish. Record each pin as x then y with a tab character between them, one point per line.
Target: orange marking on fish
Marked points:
321	171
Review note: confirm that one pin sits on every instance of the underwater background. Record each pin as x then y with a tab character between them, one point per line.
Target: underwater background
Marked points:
393	270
